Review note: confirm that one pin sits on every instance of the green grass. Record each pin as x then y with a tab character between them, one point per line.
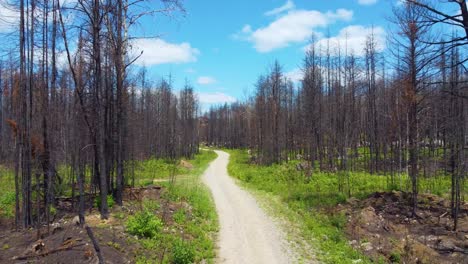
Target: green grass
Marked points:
194	240
305	202
7	193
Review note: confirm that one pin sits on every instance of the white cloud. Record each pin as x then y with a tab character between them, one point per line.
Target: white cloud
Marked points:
340	14
204	80
158	51
367	2
9	17
294	27
215	98
287	6
352	39
295	75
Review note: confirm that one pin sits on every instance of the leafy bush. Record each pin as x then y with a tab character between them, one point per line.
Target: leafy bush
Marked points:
144	224
110	201
182	252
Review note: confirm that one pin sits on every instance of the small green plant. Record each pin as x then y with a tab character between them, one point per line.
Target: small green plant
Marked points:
182	252
179	216
6	247
144	224
395	257
110	201
53	210
114	245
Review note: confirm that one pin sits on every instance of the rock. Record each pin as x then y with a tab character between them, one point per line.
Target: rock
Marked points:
352	242
357	261
186	164
56	227
367	246
76	220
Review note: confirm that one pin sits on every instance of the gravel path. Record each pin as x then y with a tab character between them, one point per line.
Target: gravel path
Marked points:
247	234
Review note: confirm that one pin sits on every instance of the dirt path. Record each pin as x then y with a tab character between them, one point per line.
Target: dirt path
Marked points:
247	234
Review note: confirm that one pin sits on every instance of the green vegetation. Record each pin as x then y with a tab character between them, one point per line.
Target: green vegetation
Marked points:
110	201
7	193
395	257
190	237
182	252
306	202
155	169
144	224
187	237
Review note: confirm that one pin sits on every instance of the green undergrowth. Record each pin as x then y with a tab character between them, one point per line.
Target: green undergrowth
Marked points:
304	202
7	193
188	237
185	237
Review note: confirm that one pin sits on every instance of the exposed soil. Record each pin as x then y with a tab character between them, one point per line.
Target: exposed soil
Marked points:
382	226
68	243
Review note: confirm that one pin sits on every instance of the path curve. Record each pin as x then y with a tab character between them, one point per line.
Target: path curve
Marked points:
247	235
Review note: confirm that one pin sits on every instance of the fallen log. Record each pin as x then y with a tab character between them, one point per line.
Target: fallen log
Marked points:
95	244
64	247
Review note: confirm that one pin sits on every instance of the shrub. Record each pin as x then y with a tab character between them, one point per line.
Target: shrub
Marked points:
144	224
395	257
182	252
110	201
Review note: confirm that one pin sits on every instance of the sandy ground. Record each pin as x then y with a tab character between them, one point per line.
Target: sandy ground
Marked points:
247	234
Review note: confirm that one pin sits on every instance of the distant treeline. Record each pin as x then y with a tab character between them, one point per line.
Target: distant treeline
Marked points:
401	111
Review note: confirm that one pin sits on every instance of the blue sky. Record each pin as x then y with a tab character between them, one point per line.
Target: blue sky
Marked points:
221	47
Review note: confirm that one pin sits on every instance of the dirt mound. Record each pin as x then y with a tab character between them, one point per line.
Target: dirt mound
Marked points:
382	226
186	164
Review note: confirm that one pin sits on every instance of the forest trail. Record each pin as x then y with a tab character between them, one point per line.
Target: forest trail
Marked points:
247	234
